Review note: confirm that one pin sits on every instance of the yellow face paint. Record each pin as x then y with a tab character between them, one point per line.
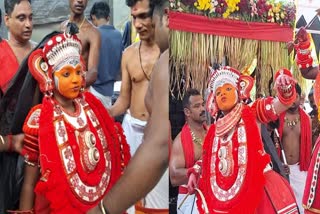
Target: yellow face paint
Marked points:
68	80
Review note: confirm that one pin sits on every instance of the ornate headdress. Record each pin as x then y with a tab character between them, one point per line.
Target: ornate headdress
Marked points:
223	75
62	49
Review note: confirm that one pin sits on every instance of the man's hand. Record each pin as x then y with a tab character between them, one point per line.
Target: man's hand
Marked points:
192	183
286	169
284	80
95	210
17	142
302	35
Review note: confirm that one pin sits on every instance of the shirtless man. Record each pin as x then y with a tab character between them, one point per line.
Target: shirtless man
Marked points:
89	36
187	148
295	132
18	20
132	186
136	67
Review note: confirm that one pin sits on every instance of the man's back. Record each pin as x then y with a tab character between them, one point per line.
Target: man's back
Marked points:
110	59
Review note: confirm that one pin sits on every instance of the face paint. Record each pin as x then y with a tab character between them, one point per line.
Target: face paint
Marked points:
68	81
226	97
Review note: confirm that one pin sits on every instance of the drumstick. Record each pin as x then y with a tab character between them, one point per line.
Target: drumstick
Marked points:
282	151
184	199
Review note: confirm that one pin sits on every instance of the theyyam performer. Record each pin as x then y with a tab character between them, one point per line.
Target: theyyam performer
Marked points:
234	175
74	151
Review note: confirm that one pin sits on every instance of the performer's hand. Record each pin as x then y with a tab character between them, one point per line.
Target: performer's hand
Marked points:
302	35
95	210
284	80
192	183
17	142
286	169
284	85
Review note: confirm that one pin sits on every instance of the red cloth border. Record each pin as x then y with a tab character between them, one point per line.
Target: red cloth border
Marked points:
231	28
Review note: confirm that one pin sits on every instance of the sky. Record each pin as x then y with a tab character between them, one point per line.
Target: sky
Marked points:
307	8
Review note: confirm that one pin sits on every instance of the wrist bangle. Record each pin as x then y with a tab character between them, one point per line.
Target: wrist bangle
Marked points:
104	210
2	140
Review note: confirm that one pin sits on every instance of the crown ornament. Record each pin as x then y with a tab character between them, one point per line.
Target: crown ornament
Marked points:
60	50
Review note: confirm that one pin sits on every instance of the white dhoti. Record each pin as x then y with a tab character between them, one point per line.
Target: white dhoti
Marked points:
189	205
159	195
297	180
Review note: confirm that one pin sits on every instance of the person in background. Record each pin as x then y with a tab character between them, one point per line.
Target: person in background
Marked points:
18	20
296	138
154	150
110	53
89	36
187	148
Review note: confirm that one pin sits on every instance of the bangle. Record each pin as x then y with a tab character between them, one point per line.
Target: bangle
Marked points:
2	140
104	210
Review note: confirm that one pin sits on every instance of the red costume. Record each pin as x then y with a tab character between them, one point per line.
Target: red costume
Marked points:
81	154
9	65
306	59
234	164
311	197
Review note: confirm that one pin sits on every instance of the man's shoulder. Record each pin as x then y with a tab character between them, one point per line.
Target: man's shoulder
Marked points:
132	49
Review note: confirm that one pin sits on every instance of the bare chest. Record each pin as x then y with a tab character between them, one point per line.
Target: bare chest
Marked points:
141	70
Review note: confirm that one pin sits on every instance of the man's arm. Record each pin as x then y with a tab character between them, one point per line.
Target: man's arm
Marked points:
31	174
124	99
310	73
151	159
178	172
93	58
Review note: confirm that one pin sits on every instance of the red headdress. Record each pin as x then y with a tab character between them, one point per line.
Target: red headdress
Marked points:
62	49
223	75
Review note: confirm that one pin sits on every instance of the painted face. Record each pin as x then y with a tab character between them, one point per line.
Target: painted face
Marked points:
19	22
78	6
142	21
68	81
226	97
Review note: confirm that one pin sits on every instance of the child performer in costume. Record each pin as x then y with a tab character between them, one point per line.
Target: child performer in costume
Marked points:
74	150
307	62
234	168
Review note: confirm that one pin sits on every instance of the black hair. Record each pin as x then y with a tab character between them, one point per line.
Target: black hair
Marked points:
187	95
101	10
10	4
158	6
298	89
131	3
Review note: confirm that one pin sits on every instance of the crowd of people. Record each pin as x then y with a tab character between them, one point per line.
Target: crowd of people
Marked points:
62	151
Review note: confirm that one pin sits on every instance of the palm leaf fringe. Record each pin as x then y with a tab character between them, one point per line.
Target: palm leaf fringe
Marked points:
192	53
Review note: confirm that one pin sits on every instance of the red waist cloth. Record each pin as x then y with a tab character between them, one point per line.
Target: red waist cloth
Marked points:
9	65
